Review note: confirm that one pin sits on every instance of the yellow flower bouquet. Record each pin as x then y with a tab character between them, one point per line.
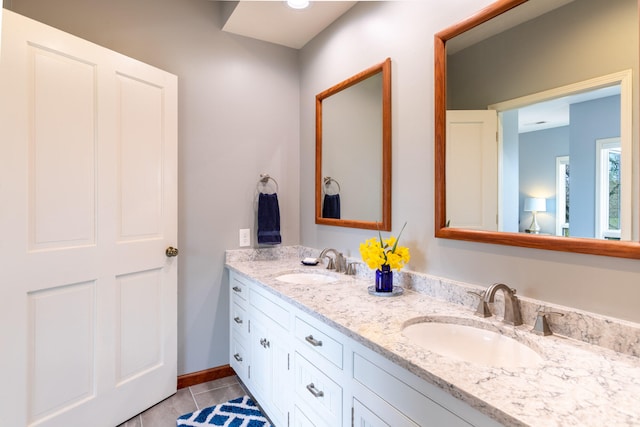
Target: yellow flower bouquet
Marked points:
377	252
383	255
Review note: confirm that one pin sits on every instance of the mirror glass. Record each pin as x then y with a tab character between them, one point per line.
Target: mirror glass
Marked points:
536	136
353	151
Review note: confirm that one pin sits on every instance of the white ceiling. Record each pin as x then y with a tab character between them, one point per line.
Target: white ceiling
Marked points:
273	21
555	112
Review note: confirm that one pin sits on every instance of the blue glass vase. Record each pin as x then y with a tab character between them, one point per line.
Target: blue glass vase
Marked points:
384	279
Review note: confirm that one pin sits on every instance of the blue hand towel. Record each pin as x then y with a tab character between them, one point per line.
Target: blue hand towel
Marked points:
331	206
268	220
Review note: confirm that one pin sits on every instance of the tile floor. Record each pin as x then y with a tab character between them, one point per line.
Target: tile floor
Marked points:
186	400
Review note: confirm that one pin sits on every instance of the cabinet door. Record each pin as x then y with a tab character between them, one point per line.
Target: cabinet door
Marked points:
260	358
270	367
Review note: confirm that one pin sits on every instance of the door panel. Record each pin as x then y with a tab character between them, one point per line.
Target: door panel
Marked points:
139	333
140	141
54	351
62	180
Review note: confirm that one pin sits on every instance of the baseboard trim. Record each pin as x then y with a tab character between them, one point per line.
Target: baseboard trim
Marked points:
187	380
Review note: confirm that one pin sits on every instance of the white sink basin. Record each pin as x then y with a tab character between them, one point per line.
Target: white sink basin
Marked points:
470	344
306	278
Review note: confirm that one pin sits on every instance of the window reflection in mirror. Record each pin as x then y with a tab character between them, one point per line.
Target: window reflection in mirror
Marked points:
353	151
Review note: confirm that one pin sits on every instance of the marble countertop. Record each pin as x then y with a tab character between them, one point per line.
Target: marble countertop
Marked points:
577	384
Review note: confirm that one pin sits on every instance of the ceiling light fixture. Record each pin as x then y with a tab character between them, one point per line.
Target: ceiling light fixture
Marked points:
298	4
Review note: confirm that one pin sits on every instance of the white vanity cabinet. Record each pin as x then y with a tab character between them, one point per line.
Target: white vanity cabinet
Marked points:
305	373
259	346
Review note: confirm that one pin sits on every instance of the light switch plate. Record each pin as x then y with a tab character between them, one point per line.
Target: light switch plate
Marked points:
245	237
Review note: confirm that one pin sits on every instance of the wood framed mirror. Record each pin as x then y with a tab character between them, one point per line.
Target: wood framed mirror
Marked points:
501	13
353	151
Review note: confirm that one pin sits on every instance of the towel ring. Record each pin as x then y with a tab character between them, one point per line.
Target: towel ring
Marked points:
263	181
327	184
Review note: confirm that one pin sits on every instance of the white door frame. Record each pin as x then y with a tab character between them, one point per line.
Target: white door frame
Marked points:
561	193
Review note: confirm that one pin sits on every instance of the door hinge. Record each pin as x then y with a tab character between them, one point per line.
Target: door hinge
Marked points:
249	371
249	326
288	361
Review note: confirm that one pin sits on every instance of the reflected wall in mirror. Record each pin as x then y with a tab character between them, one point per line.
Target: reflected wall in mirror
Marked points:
556	81
353	151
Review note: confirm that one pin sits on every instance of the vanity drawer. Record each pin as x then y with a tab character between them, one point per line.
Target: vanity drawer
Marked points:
313	339
318	391
274	311
239	288
239	320
239	359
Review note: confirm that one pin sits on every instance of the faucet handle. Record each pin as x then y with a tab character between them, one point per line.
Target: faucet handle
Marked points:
331	264
541	327
341	263
483	309
351	269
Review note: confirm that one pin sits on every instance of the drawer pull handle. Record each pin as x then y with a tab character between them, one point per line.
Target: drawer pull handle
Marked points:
313	390
237	289
237	357
314	342
238	320
265	342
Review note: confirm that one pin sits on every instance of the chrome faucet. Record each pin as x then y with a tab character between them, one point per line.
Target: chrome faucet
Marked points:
512	313
339	263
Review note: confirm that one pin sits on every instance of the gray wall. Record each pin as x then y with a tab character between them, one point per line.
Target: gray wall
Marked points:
538	152
590	120
352	145
240	102
581	40
238	117
404	32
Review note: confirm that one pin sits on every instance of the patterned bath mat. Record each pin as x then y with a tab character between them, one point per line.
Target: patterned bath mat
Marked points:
240	412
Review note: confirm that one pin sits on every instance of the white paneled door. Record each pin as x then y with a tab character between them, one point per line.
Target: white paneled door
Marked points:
88	194
472	169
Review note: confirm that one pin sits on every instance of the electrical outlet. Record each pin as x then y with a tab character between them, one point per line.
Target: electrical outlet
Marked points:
245	237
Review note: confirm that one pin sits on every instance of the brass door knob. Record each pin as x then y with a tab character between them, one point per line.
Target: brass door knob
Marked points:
171	251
